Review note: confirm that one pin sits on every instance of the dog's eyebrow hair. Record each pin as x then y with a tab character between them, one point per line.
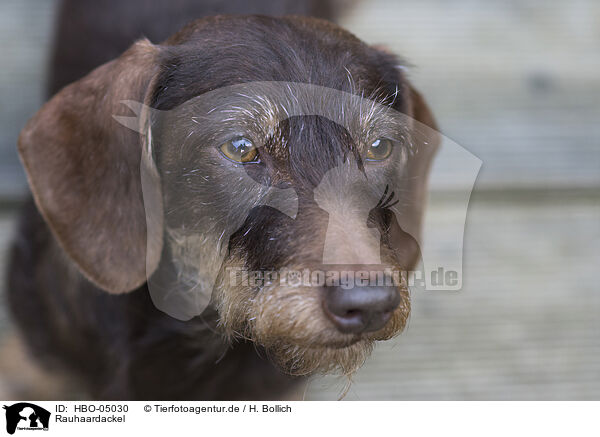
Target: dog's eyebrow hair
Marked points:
395	95
350	80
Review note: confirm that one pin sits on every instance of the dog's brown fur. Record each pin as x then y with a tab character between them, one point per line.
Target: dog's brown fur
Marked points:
84	172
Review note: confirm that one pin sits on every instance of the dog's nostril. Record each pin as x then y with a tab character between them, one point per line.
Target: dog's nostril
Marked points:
360	309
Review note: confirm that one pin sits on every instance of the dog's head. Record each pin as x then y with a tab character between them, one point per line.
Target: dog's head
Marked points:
242	107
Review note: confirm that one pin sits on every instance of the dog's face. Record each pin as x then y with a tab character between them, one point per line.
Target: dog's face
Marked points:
355	171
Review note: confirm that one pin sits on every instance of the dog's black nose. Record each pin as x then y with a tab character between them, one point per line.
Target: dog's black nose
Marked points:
360	309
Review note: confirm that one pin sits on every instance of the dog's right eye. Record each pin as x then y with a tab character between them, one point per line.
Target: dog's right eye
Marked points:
380	149
240	150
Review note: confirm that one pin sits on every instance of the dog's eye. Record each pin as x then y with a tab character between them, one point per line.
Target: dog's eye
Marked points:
240	150
380	149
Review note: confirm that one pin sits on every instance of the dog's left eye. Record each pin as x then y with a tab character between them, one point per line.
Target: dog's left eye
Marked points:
380	149
240	150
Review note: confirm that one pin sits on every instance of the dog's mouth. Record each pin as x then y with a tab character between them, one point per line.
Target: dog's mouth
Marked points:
342	343
335	352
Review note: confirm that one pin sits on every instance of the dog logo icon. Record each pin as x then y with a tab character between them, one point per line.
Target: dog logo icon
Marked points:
26	416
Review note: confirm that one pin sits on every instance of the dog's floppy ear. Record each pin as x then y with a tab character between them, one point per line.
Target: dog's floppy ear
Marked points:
425	140
425	134
422	113
83	168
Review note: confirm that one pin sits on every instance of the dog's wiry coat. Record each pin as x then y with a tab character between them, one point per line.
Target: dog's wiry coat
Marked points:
82	265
